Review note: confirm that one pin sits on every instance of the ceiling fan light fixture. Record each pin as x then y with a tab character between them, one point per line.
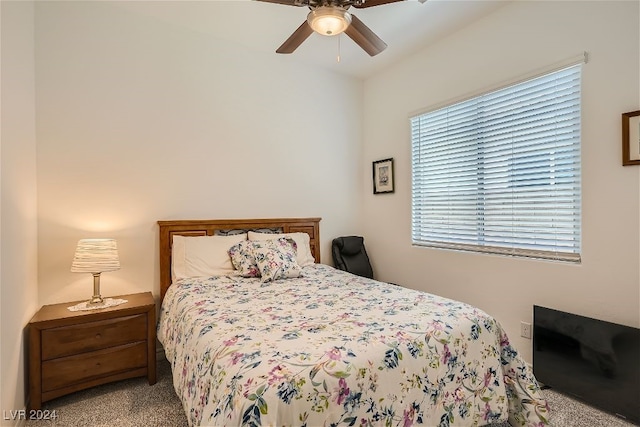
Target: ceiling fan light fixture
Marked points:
329	20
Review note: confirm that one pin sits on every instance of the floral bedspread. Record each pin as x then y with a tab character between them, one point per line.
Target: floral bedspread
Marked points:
334	349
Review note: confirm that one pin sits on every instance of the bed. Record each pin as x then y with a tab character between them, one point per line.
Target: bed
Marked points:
323	347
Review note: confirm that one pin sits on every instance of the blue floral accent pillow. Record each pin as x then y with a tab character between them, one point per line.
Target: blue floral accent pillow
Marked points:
243	259
276	259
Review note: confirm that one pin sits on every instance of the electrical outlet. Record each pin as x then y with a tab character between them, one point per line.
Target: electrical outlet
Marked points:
525	330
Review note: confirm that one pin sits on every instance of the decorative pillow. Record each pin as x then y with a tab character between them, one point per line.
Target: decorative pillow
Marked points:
303	257
276	259
243	259
202	256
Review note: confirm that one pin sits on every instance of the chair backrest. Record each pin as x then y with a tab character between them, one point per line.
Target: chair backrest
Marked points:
350	255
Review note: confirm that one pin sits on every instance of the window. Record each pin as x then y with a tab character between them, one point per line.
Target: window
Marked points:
500	172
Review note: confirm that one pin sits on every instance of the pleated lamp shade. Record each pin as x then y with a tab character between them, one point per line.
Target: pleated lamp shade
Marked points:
95	256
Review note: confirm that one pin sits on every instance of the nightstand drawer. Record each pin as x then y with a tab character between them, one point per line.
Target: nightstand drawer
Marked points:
75	369
68	340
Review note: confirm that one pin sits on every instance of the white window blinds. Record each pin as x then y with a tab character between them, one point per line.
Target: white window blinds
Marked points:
500	172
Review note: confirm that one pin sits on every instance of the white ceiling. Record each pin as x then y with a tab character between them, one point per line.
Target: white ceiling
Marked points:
405	26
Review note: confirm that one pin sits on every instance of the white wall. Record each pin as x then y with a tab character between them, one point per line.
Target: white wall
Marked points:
19	285
139	120
518	39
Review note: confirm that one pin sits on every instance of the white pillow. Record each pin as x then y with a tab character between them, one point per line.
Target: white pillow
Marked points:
202	256
303	257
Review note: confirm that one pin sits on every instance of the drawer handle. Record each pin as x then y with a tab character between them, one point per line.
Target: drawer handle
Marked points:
98	336
98	364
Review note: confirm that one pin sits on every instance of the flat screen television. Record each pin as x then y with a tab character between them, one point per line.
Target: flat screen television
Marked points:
596	361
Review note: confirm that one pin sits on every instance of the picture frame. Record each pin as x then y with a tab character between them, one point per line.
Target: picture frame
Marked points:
631	138
383	176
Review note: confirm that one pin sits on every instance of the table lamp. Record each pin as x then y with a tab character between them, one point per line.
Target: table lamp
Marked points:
95	256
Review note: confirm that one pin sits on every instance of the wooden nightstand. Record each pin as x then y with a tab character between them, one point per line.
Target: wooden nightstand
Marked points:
73	350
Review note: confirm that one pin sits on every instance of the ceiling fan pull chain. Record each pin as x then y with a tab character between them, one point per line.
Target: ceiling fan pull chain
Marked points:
338	58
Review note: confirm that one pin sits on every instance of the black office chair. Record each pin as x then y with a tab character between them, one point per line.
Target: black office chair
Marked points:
350	255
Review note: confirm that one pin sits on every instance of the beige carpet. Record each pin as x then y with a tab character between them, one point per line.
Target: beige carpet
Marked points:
133	403
128	403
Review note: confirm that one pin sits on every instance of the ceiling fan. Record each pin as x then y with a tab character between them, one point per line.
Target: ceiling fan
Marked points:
330	18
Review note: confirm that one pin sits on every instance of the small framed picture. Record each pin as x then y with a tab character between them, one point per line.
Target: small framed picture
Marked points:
631	138
383	176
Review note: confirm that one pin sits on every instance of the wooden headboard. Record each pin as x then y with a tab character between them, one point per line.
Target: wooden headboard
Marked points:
168	229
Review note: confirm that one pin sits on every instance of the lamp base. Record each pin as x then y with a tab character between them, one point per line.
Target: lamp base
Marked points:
96	299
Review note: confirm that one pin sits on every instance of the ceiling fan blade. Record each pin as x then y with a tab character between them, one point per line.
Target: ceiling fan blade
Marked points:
372	3
296	39
364	37
285	2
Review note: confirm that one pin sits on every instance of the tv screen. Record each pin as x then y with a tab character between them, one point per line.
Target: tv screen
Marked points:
596	361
